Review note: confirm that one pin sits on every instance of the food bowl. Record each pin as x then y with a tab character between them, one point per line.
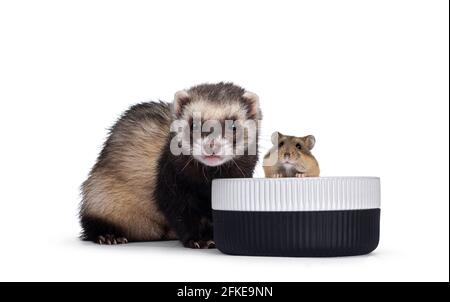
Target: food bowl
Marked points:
296	217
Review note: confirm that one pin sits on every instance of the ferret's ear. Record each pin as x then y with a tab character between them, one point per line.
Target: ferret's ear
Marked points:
180	100
252	102
276	137
310	141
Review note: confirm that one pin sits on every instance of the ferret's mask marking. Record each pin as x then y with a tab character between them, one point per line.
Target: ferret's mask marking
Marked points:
212	131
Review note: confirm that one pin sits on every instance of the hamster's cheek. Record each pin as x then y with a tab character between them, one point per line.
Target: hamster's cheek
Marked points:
302	160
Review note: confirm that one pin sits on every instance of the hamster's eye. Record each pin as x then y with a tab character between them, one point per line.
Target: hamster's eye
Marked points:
298	146
281	144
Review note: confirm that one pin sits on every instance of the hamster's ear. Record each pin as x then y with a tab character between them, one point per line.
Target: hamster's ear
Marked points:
310	141
276	137
252	102
180	100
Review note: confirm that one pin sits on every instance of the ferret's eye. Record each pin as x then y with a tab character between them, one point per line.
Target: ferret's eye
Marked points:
298	146
232	126
195	126
281	144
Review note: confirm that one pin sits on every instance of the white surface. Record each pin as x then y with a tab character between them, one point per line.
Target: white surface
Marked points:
368	78
296	194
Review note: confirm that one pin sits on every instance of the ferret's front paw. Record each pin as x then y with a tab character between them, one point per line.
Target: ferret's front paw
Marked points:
110	239
300	175
200	244
277	175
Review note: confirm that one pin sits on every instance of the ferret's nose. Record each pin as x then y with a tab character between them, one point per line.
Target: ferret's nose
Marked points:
212	144
212	147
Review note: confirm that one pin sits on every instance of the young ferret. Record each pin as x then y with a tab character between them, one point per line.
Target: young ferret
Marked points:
291	156
140	190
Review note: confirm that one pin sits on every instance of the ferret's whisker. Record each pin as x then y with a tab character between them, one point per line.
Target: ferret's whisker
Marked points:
203	170
238	167
186	164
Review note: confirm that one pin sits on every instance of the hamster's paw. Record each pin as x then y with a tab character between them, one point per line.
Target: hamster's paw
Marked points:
110	239
300	175
277	175
200	244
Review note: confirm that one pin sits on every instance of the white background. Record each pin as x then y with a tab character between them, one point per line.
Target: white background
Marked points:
368	78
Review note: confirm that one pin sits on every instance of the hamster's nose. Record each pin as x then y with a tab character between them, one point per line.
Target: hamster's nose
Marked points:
287	155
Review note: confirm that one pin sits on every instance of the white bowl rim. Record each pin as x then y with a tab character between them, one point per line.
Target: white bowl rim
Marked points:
299	178
296	194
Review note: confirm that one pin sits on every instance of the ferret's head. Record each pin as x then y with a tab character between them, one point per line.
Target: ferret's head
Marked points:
293	152
216	122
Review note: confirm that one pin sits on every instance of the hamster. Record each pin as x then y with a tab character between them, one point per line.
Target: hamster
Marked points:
140	190
291	156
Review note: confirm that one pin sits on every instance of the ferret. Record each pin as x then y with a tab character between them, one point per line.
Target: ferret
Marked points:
140	190
291	156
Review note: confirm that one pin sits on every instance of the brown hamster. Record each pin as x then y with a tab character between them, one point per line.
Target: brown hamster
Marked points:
291	156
